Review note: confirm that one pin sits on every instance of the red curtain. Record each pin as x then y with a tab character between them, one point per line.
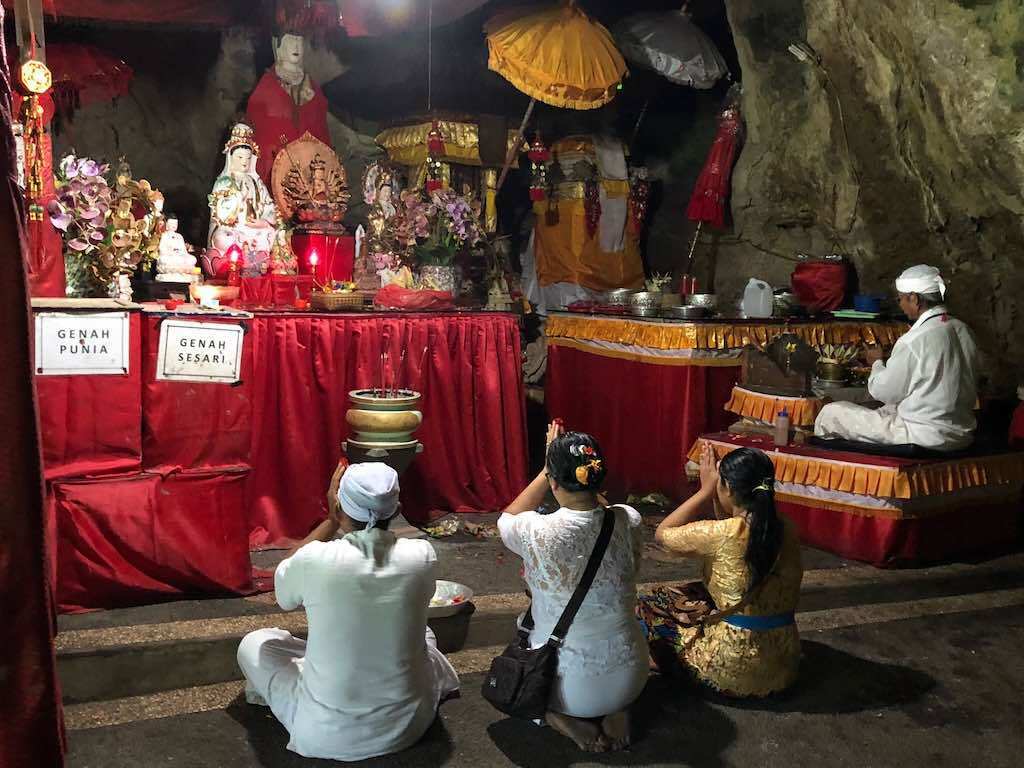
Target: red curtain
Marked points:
473	428
31	719
645	416
90	424
136	539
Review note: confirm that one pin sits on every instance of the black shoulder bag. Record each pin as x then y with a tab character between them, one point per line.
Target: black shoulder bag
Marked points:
520	680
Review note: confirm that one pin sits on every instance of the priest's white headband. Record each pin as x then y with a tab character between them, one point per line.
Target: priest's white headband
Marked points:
921	279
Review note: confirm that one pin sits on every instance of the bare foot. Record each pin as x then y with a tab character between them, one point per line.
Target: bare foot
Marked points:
616	730
587	735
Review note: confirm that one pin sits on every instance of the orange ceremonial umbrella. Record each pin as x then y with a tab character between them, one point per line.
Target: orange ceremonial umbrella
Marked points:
557	55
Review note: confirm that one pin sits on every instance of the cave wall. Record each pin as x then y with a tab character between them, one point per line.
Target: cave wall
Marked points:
930	169
188	89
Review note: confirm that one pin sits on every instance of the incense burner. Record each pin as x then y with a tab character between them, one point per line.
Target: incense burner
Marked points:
383	419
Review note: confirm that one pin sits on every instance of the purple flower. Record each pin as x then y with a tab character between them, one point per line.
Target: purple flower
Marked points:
77	244
60	220
89	168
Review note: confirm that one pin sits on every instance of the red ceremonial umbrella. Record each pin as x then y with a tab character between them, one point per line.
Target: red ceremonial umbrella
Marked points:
707	203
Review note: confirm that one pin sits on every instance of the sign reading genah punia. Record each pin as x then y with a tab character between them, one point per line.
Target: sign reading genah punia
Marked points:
199	352
82	343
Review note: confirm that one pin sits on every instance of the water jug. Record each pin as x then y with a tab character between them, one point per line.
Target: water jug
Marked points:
757	299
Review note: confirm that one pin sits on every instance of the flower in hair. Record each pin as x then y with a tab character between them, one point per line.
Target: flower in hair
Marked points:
585	471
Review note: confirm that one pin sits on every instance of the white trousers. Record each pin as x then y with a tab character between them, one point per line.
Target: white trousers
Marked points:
272	662
590	696
848	421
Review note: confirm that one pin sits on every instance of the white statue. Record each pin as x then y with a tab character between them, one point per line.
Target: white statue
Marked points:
242	211
174	263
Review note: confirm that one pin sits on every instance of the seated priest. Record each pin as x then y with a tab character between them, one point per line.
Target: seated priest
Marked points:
369	679
927	387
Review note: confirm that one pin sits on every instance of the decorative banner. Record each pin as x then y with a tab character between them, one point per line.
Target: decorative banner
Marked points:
82	344
204	352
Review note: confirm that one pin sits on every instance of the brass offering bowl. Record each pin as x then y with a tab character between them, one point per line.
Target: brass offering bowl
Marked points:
685	313
620	296
377	419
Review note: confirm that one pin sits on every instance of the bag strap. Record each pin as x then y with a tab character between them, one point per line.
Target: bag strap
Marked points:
578	596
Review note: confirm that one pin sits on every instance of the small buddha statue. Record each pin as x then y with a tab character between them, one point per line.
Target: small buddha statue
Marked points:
174	262
242	211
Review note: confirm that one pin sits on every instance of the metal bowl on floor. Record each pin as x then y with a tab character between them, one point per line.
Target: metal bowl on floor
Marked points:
707	300
645	303
685	313
620	296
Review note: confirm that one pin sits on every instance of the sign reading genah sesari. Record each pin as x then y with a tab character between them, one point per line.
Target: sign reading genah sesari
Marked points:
205	352
82	343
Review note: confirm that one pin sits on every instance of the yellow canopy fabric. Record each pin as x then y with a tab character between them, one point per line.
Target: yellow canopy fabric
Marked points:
557	55
407	144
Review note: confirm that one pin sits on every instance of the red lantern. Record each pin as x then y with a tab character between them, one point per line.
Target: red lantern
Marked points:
435	141
538	153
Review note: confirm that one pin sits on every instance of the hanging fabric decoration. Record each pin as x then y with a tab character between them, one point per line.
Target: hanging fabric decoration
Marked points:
35	79
592	206
435	175
639	194
539	156
435	141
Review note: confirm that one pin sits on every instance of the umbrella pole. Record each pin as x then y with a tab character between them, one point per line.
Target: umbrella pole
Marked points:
639	122
510	155
693	247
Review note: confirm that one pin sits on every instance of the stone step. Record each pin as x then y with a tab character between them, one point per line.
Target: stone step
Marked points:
470	663
130	660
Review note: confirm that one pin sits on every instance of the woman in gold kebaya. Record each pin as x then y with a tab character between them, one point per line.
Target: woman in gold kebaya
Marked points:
738	635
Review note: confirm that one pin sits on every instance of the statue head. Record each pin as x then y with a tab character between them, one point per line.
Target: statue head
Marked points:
240	159
171	225
289	52
241	137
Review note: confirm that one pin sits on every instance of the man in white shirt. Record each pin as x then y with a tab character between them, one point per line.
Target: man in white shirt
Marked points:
928	386
369	679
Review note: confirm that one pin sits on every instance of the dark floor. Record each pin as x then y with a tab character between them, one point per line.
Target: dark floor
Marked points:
935	691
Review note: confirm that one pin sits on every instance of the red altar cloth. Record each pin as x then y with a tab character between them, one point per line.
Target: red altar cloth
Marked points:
142	537
891	511
188	425
274	290
646	416
304	366
90	425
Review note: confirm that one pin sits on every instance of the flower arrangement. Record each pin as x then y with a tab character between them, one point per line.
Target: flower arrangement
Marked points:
104	238
438	226
81	211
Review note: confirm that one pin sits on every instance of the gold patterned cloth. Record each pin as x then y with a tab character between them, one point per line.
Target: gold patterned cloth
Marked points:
738	662
761	407
717	336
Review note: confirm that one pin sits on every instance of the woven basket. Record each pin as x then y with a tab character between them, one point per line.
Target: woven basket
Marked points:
332	302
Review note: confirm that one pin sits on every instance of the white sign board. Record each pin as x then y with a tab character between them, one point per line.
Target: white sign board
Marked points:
82	343
205	352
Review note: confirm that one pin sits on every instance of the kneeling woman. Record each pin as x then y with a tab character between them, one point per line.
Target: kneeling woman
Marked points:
751	565
602	665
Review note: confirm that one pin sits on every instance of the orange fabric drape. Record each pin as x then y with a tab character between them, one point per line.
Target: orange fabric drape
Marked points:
755	405
566	253
903	482
704	335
